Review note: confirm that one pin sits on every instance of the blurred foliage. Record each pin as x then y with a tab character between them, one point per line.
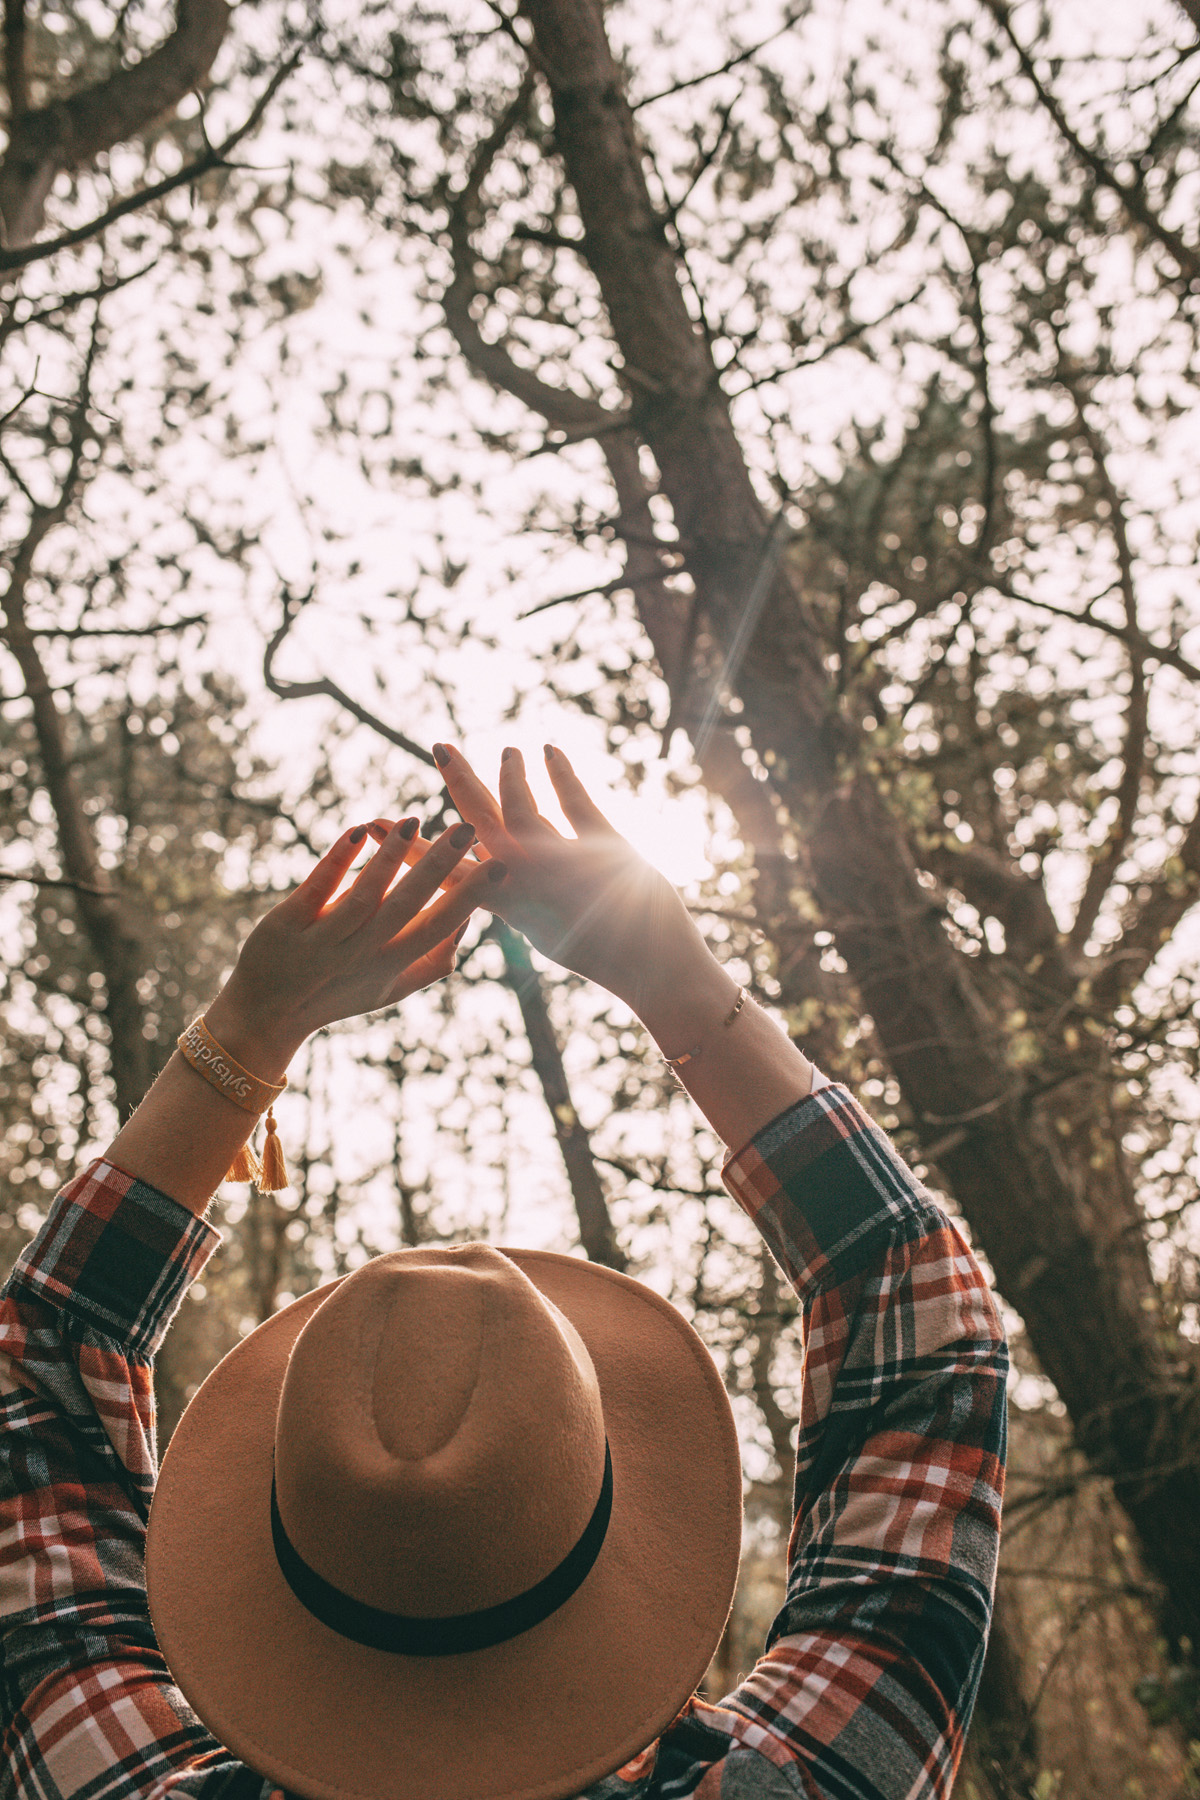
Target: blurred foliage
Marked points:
957	357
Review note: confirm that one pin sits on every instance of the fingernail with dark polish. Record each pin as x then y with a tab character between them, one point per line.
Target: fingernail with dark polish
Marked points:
497	871
505	754
441	755
548	751
358	834
409	828
462	835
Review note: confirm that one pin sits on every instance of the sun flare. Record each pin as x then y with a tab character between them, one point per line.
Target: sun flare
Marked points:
669	830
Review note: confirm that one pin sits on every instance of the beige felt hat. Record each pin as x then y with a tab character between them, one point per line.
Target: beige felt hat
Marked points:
462	1526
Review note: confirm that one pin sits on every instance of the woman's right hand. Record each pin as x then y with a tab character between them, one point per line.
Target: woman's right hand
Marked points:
589	902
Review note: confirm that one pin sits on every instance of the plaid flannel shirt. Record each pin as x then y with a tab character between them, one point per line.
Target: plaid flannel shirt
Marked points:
871	1667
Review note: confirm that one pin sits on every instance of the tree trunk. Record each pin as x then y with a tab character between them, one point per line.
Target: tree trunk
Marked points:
1040	1179
112	933
596	1232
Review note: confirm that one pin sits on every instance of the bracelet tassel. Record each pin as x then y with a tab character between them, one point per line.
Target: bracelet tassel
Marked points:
245	1166
221	1071
274	1175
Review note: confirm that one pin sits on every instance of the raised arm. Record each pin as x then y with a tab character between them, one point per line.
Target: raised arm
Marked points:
872	1665
326	952
89	1705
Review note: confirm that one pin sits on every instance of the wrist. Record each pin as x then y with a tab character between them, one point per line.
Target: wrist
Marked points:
263	1044
689	998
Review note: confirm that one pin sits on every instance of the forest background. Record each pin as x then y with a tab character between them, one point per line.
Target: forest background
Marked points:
790	410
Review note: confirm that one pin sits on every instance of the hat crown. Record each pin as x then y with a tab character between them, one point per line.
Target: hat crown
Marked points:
439	1441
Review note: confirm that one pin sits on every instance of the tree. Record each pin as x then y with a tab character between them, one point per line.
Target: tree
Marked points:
867	634
853	393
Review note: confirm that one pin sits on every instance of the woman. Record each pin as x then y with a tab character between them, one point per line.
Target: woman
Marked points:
466	1524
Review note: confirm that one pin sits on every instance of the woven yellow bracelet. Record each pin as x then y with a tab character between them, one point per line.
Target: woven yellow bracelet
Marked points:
227	1076
198	1045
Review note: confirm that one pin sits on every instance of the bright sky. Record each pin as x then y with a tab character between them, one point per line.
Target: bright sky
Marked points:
342	503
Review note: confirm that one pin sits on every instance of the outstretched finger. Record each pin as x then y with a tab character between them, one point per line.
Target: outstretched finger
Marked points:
443	916
435	965
420	846
373	882
473	799
521	815
421	882
580	810
320	885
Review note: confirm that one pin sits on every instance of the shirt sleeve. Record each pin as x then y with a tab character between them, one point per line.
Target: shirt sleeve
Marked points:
89	1707
873	1662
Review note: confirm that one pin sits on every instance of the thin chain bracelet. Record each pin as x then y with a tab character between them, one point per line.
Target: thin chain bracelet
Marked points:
679	1062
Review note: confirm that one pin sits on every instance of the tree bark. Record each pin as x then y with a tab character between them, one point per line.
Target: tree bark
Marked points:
115	941
596	1232
1040	1177
103	911
70	133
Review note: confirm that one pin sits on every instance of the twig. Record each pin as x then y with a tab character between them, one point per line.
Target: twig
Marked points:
55	881
215	158
74	632
735	61
843	340
66	302
618	584
326	689
1165	654
1130	193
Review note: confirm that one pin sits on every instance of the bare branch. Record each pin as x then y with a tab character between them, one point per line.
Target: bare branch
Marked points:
75	632
11	323
71	133
619	584
552	240
1131	194
111	928
600	592
564	411
732	62
1168	655
1137	724
326	689
596	1231
840	342
591	1205
217	157
59	881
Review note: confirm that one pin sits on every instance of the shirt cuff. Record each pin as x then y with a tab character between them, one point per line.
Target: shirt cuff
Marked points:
114	1254
825	1187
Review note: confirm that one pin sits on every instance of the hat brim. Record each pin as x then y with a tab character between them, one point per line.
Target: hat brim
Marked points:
540	1717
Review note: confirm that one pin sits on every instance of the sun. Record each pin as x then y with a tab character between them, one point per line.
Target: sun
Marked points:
670	831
